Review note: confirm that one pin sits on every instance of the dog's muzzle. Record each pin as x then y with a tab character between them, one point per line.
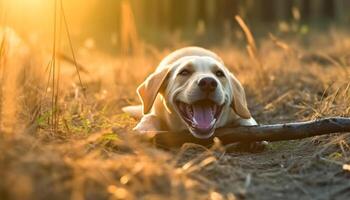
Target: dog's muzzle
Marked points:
200	117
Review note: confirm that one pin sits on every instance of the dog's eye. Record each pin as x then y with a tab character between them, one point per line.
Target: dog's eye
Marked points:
184	72
219	73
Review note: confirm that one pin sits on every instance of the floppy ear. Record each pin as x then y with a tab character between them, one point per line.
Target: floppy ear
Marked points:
149	89
239	102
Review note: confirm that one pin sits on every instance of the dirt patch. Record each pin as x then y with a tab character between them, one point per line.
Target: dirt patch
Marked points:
287	170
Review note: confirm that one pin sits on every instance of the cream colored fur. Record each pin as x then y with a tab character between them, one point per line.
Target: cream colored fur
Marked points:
162	88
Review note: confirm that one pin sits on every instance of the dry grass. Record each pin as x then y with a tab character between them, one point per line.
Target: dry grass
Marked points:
251	46
80	158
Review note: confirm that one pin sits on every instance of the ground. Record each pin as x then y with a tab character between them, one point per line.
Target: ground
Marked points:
68	150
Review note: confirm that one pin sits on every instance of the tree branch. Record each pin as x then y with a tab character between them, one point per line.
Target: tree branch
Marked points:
275	132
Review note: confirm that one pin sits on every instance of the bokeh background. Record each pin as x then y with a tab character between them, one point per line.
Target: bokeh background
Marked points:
110	23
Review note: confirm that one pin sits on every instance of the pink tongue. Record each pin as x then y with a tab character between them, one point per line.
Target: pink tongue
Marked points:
203	115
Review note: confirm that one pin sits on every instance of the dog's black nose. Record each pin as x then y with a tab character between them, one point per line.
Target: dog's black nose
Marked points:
207	84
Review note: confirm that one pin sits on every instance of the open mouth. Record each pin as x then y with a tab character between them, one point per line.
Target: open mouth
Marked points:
200	116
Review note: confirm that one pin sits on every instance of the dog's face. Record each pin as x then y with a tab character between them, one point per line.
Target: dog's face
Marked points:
197	89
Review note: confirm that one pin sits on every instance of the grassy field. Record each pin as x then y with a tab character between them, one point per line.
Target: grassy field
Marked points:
56	139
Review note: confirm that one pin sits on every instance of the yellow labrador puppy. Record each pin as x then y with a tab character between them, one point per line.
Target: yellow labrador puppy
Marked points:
191	89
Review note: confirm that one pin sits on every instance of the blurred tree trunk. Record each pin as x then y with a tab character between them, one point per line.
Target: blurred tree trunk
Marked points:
178	14
192	12
224	16
306	10
211	10
329	9
153	12
165	14
283	10
315	10
201	11
339	10
138	9
226	10
269	10
170	15
342	13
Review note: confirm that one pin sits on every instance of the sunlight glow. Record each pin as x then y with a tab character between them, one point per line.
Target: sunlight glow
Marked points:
37	15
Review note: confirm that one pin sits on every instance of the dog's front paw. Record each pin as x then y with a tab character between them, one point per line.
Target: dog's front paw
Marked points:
145	128
148	124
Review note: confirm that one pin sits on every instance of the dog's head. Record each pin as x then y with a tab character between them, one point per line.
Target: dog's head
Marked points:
197	89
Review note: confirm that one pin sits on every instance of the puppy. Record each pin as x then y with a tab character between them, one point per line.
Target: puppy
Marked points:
192	90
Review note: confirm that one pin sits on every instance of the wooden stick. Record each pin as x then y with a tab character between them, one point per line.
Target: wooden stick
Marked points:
275	132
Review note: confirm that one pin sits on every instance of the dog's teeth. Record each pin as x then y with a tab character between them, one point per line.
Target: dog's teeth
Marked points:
194	122
189	110
213	122
183	107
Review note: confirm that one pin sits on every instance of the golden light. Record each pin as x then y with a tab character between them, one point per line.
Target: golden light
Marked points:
37	15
